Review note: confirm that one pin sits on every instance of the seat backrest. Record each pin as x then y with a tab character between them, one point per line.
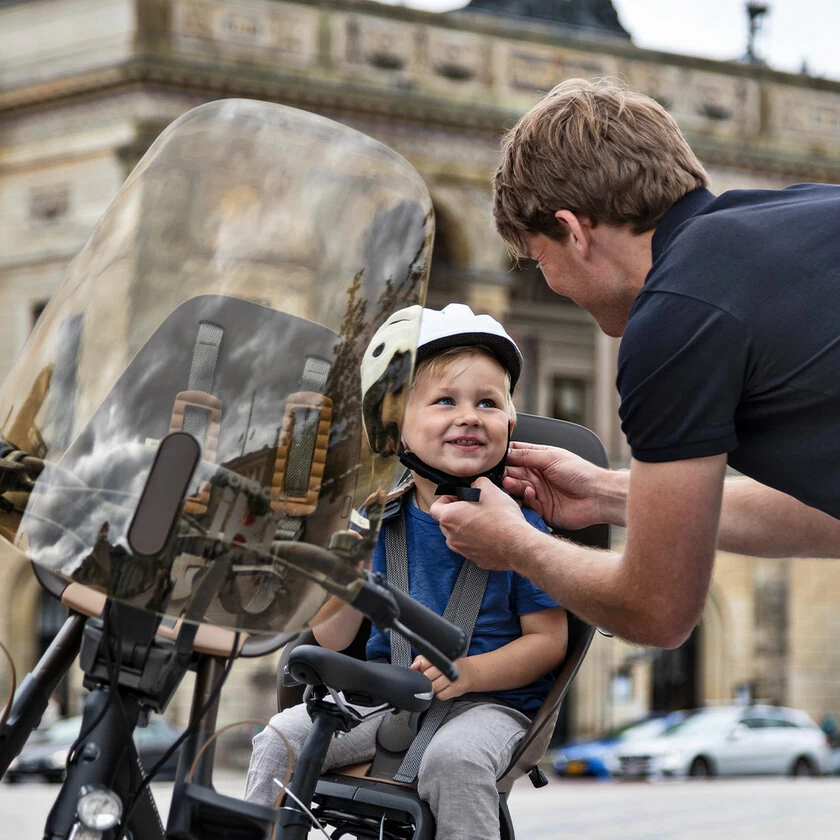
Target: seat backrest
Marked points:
585	443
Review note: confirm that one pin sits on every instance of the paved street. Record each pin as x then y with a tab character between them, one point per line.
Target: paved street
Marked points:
743	809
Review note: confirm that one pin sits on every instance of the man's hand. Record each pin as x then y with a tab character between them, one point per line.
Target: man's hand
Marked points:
444	688
565	490
489	532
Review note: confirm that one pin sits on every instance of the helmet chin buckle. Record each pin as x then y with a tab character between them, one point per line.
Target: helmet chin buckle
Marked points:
452	485
464	494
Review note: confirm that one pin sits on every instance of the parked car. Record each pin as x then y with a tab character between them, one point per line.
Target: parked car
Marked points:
591	758
730	740
45	753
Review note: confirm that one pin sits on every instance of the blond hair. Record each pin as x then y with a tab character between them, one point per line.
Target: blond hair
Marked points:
439	364
597	149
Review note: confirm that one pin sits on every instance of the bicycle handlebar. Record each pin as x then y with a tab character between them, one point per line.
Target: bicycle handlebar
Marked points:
434	637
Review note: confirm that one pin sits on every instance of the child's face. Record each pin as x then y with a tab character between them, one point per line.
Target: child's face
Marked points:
456	421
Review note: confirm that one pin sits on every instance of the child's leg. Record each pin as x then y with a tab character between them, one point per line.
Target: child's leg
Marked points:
461	765
269	757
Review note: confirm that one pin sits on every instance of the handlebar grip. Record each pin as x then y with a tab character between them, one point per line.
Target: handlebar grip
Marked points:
438	632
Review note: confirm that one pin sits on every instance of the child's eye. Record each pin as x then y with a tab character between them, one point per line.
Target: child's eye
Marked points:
487	403
444	401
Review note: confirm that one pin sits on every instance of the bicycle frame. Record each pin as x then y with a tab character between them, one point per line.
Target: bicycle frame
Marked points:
121	692
106	755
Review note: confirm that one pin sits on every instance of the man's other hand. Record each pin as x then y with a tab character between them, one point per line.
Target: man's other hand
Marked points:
566	490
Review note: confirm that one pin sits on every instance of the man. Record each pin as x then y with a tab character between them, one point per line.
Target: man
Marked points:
729	312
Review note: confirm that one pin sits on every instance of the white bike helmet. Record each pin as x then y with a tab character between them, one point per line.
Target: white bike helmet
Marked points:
456	325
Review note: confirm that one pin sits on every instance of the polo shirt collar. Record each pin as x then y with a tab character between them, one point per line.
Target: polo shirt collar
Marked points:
691	204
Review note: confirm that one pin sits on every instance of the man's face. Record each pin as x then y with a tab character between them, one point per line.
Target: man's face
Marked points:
456	421
592	284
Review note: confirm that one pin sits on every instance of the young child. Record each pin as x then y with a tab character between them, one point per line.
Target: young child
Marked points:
457	426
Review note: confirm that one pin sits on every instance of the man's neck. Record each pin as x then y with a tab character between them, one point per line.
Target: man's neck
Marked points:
629	252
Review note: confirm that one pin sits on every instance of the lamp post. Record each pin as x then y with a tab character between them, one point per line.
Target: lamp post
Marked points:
755	12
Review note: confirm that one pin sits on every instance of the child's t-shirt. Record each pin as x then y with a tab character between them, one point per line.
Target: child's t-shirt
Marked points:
432	571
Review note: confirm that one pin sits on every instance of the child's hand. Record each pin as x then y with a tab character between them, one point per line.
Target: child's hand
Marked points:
444	688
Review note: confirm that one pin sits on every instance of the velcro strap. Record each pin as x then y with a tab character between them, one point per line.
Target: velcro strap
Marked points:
301	453
205	357
302	450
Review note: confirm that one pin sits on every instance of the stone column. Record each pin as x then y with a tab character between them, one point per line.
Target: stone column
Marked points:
770	598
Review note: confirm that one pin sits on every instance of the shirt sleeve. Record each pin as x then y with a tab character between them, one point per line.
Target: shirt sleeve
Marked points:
682	365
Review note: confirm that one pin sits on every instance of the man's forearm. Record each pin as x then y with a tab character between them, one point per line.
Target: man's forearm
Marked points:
654	592
595	585
762	522
755	519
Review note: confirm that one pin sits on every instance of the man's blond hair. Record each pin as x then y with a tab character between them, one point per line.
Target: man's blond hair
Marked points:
598	149
441	363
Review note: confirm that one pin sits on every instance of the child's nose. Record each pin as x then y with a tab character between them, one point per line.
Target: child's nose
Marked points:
468	416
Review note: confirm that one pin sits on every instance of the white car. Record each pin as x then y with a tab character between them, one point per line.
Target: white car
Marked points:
730	740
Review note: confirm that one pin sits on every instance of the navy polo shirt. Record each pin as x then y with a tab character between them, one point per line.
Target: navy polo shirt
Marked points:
733	344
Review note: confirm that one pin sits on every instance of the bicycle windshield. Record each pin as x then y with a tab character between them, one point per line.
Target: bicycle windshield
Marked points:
229	292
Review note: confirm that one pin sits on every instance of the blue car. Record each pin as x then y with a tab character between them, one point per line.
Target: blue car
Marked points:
591	758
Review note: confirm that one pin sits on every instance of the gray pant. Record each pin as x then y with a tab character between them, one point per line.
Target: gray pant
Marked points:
457	776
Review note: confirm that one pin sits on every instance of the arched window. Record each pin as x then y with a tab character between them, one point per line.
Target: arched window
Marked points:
675	676
444	276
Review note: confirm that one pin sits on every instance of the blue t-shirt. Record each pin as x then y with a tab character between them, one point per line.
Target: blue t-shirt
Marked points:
432	571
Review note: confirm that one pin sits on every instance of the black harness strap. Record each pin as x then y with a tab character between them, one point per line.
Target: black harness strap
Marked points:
462	610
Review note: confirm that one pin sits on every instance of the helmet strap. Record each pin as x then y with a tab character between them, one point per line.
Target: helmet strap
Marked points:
452	485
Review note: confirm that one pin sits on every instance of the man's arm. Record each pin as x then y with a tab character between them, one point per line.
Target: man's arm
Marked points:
569	492
541	647
653	593
763	522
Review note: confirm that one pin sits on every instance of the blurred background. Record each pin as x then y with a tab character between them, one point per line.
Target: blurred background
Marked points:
86	86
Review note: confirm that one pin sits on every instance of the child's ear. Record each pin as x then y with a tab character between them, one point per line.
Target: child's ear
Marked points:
511	427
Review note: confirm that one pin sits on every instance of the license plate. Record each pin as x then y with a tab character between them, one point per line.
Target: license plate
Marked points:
576	768
634	766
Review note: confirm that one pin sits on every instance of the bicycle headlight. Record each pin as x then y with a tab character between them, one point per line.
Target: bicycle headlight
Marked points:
99	808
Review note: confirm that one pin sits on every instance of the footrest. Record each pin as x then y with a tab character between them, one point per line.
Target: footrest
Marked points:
211	814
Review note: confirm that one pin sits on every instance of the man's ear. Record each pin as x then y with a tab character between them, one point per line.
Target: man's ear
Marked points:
579	228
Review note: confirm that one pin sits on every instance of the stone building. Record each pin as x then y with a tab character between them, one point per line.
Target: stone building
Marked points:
86	86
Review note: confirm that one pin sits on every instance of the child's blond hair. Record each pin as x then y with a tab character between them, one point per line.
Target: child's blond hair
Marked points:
440	363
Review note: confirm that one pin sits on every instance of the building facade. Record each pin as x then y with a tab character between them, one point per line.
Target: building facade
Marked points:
85	86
